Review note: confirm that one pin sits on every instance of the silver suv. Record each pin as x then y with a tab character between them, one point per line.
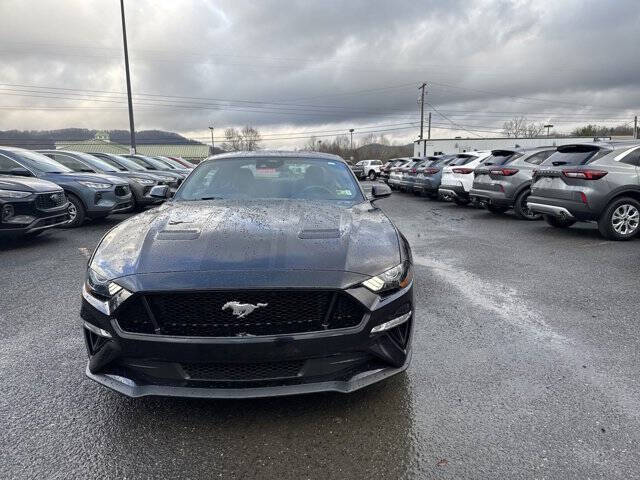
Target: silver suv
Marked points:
590	182
503	181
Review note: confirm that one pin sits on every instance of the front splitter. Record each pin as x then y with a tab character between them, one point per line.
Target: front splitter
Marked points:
129	388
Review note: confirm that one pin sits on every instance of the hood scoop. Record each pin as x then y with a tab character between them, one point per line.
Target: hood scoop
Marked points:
178	234
319	233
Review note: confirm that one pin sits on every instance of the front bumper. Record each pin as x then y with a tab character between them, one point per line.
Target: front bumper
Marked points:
341	360
29	219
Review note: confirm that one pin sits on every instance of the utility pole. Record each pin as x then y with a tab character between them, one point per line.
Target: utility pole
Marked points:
635	127
211	128
422	87
548	126
424	152
132	149
351	132
319	145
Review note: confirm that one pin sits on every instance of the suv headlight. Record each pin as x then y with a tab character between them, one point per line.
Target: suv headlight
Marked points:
102	293
95	185
144	181
13	194
393	279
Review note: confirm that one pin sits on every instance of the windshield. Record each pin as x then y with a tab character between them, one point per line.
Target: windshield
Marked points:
151	163
173	163
96	162
575	155
501	157
461	161
126	163
40	162
72	163
271	178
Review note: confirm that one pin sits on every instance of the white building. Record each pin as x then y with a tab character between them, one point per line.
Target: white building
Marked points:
423	148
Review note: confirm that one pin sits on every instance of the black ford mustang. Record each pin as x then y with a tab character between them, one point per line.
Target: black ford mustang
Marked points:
268	273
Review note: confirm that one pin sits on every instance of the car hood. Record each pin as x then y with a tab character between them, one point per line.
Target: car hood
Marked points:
232	235
27	184
90	177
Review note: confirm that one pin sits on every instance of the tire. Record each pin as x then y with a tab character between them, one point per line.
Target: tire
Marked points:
77	212
520	207
558	222
372	175
497	210
461	201
620	220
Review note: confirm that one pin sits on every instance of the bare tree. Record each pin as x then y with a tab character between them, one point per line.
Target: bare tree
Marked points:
247	139
520	127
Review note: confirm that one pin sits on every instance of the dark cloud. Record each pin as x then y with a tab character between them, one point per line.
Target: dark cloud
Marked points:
320	65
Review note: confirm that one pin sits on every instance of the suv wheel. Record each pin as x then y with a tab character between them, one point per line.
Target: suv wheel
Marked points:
620	220
558	222
372	175
76	212
521	210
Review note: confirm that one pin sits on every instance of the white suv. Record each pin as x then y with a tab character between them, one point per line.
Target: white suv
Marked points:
367	168
457	176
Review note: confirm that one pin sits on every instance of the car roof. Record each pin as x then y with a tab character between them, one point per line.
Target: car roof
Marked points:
275	154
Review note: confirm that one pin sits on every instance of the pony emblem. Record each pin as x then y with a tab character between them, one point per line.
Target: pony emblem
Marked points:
241	310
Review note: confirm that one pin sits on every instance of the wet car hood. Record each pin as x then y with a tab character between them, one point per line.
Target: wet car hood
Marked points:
88	177
27	184
241	235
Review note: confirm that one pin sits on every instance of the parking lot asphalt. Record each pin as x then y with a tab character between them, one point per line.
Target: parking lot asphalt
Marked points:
525	365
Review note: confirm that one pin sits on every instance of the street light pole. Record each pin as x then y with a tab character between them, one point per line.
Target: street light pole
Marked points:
132	149
211	128
548	126
351	132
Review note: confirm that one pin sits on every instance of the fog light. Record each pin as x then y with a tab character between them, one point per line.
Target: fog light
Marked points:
7	212
391	323
97	330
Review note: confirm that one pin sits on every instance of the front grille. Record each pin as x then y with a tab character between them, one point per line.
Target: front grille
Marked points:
47	201
122	190
201	314
242	371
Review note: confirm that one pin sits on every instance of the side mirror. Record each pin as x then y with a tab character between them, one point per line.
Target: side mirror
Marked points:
21	172
160	191
380	191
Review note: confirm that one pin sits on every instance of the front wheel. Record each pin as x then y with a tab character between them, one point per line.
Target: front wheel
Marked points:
77	212
522	210
620	220
372	175
558	222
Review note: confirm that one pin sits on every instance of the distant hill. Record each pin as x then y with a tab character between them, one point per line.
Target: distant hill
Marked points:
384	152
47	138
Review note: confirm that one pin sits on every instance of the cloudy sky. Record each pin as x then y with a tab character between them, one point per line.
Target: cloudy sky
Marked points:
300	68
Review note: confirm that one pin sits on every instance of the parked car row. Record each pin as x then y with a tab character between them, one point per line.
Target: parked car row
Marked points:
593	182
58	188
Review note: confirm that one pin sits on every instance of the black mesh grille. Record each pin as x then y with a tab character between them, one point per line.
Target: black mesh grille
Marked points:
46	201
122	190
242	371
276	313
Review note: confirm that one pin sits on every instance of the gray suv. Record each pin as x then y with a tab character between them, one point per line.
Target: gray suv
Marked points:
590	182
503	181
140	183
90	195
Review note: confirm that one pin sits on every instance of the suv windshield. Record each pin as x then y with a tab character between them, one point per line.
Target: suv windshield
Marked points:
575	155
127	163
97	162
501	157
271	178
40	162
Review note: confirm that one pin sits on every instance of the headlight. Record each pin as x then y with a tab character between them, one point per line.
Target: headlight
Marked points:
103	294
393	279
144	181
96	185
13	194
